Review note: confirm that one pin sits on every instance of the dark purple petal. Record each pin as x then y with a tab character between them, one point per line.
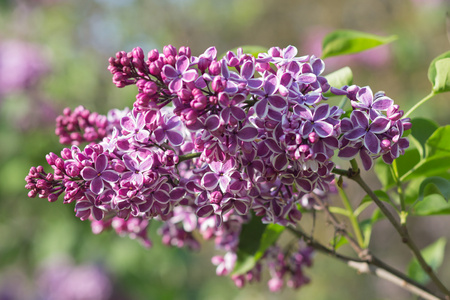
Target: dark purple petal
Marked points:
273	146
176	85
110	176
280	162
97	213
304	112
204	211
177	194
348	152
361	119
380	125
321	112
238	113
323	129
277	102
304	184
355	134
372	143
247	133
270	84
247	69
212	123
261	108
161	196
88	173
175	138
241	207
130	162
97	185
366	160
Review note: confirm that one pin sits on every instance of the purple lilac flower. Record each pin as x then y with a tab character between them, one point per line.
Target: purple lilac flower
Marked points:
98	175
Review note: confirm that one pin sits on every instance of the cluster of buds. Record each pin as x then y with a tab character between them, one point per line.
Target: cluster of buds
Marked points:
212	142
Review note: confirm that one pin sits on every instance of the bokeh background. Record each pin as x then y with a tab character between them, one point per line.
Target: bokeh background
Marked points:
54	53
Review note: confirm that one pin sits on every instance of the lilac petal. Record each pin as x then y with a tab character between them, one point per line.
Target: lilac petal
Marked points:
365	95
280	162
176	85
177	194
323	129
307	78
355	134
277	102
88	173
290	52
173	122
142	136
372	143
303	111
321	112
247	133
294	68
238	113
241	207
261	108
127	123
306	128
318	66
170	72
366	160
247	69
204	211
348	152
97	185
212	123
190	75
254	83
304	184
210	181
313	98
182	64
159	135
110	176
224	181
130	162
273	146
175	138
97	213
270	84
225	115
380	125
83	205
346	125
382	103
161	196
360	118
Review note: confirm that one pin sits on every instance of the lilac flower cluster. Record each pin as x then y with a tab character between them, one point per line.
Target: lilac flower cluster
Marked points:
212	142
374	129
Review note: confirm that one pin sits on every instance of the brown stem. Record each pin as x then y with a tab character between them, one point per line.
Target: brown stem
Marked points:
372	265
402	230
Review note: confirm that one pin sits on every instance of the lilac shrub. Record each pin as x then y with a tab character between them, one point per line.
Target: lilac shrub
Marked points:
212	143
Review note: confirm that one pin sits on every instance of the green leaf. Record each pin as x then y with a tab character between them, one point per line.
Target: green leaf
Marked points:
338	210
405	163
255	238
421	130
382	195
439	142
433	255
338	242
367	225
434	75
341	42
339	78
435	185
432	166
442	80
431	205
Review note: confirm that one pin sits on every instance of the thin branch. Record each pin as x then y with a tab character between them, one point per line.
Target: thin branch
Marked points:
402	230
371	265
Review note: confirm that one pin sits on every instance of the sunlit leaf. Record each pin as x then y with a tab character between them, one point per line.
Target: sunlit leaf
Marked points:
439	142
433	255
442	80
433	204
433	74
341	42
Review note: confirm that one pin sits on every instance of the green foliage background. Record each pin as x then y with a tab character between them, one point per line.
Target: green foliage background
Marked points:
78	37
